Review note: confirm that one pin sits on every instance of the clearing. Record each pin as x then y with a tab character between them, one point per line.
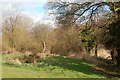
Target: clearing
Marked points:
51	67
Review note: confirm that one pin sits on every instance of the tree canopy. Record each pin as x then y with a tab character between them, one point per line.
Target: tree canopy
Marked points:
80	12
97	14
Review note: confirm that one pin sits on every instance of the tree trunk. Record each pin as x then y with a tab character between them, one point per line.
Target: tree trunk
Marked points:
118	57
96	50
113	55
12	50
44	47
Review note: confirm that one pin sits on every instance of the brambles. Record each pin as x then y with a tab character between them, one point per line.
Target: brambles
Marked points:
31	58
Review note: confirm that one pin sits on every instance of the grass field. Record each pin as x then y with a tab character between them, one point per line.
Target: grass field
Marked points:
51	67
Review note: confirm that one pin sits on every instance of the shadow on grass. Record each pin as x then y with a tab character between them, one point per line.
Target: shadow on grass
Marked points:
108	68
61	66
70	64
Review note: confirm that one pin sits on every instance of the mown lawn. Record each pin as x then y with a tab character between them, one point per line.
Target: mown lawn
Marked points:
51	67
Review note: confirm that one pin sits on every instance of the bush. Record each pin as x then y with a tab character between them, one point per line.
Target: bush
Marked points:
31	58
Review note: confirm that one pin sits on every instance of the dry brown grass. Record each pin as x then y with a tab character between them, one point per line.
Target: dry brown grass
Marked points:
84	56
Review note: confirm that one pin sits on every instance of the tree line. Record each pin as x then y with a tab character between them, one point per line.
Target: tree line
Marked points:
80	28
99	23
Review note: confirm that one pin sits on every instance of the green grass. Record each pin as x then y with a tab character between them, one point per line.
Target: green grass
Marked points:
15	72
52	67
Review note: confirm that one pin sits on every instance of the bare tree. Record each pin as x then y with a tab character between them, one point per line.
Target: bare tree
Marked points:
42	34
16	31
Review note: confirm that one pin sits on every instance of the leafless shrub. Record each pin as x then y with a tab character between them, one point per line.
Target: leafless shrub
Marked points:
66	41
15	32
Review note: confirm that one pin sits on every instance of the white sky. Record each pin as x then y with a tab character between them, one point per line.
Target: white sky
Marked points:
32	8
